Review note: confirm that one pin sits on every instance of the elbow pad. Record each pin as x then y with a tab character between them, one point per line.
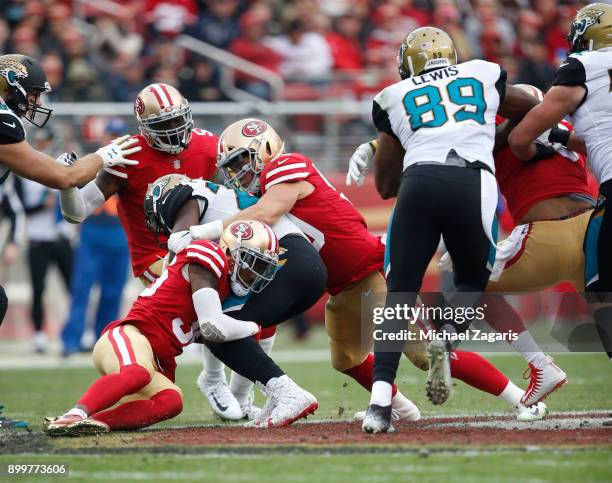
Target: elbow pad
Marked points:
78	204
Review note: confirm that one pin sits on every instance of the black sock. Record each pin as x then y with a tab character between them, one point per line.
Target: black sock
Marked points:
3	303
247	358
603	323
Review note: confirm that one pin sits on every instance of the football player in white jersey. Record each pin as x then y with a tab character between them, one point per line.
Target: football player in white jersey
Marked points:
174	203
582	89
435	153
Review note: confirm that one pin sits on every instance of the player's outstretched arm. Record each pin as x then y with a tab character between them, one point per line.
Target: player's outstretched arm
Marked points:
276	201
557	103
29	163
388	162
188	215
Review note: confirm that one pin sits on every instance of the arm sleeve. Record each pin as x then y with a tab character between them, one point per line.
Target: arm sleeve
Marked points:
381	120
286	169
177	197
11	128
77	204
570	73
500	85
208	255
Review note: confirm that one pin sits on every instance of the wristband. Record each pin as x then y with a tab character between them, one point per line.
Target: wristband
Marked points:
542	152
558	135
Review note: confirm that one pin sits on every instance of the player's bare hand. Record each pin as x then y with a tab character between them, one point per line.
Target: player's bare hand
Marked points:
359	163
116	152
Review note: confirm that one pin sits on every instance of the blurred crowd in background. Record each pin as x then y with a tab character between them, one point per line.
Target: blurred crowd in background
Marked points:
107	51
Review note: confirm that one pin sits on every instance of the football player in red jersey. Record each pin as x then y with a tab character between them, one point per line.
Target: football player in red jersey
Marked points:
252	157
136	355
169	145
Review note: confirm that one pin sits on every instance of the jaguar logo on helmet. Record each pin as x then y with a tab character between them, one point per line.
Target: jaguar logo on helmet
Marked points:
585	19
241	230
12	71
254	128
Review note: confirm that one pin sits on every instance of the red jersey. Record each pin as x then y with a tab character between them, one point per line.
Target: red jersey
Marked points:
525	184
330	221
164	312
197	160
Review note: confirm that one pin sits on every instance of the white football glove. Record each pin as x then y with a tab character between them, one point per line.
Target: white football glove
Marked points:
207	231
359	162
115	153
67	159
178	241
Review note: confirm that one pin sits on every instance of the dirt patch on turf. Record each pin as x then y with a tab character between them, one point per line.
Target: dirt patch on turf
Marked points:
448	432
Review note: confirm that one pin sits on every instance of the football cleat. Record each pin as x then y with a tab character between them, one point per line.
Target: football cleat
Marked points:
402	409
249	410
543	381
289	403
220	398
439	382
377	419
534	413
73	425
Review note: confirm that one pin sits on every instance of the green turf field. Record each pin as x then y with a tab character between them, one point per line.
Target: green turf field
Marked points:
32	394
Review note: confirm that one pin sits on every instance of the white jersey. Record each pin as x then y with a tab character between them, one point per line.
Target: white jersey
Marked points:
592	119
220	203
446	109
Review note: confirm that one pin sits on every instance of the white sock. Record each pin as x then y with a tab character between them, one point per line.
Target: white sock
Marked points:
529	349
512	394
77	412
213	367
381	393
240	386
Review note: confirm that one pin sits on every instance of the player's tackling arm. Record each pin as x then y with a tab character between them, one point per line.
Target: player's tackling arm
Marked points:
558	102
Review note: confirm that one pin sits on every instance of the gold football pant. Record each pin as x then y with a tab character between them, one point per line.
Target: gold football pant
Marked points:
116	348
552	253
343	324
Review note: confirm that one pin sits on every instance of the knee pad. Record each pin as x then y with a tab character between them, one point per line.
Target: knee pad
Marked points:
138	375
3	303
168	403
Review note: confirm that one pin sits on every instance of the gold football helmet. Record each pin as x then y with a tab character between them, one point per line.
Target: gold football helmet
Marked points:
164	117
591	28
244	147
156	196
252	249
425	48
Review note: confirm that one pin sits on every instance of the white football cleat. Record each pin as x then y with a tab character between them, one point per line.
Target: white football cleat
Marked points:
220	398
250	412
287	402
543	381
402	409
534	413
439	382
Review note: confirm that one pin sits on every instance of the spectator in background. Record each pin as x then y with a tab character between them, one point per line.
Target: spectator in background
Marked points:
12	208
345	44
126	85
102	258
306	56
534	68
448	18
199	82
112	40
219	24
49	239
487	17
54	68
25	41
170	17
250	46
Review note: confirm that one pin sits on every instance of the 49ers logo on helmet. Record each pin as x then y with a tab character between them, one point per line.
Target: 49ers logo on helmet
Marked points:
254	128
241	230
139	106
